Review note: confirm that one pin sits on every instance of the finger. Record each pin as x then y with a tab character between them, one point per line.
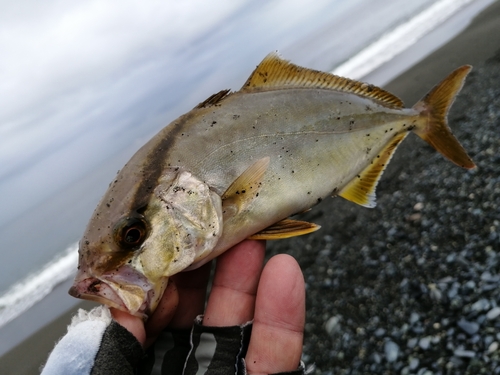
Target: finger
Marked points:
163	314
132	323
192	289
232	298
277	334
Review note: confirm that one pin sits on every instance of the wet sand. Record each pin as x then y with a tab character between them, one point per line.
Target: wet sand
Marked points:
339	244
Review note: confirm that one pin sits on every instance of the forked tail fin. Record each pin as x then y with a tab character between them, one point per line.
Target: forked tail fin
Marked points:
434	106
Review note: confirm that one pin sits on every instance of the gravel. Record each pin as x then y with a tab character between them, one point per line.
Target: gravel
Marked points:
413	286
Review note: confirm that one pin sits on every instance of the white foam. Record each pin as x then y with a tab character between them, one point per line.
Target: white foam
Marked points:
25	293
399	39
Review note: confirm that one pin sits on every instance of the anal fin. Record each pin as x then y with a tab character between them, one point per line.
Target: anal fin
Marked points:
361	189
285	229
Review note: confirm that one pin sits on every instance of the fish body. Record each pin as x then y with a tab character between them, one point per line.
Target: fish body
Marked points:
239	165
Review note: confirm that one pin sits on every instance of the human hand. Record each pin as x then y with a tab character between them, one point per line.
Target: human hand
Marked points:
273	297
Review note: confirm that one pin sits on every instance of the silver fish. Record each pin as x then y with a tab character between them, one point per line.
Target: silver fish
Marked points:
239	165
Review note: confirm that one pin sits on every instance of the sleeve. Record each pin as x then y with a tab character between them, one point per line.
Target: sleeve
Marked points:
221	350
94	344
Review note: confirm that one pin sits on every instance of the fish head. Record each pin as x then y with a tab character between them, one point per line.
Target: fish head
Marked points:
129	250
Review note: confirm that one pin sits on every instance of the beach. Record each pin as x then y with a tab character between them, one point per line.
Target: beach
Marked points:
413	283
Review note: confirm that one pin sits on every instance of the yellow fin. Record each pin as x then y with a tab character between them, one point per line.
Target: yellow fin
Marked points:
285	229
434	108
245	188
276	73
361	189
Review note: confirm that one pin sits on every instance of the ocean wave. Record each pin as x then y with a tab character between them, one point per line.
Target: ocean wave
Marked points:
33	288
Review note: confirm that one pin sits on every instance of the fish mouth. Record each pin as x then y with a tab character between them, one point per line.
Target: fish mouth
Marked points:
125	290
93	289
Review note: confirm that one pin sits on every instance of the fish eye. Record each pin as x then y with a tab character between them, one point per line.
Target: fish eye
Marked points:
130	232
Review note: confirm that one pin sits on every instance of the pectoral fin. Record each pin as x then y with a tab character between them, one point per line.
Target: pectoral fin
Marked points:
361	189
285	229
245	188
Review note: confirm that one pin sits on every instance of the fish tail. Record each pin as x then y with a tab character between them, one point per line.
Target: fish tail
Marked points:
434	109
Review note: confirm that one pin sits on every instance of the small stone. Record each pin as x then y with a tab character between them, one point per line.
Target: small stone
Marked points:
379	332
471	284
435	339
414	362
493	313
391	350
462	353
332	325
412	343
493	347
481	305
418	206
424	343
414	317
470	328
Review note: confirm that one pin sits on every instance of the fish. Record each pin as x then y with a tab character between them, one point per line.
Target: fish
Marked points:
239	165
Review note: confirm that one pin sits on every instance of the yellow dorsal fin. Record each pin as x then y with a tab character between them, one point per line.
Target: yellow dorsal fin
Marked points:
285	229
245	188
275	73
361	189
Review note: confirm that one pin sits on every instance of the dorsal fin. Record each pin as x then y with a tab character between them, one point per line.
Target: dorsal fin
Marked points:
214	99
275	73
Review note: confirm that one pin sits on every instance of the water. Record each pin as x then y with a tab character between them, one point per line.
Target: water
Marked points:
59	153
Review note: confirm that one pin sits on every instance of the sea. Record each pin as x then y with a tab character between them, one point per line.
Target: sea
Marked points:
84	85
